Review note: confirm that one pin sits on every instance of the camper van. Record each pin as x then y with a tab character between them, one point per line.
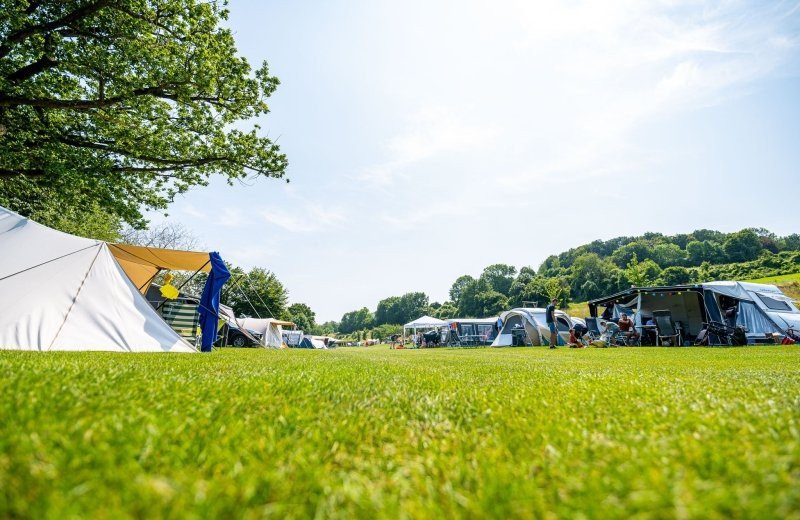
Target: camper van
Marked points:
762	312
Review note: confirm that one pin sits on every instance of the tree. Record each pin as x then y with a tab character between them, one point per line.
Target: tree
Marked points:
592	277
446	311
490	303
550	266
642	274
557	288
676	275
257	293
411	306
468	304
382	332
329	327
623	256
388	311
167	235
742	246
706	251
90	221
791	242
125	104
517	289
666	255
401	309
499	277
302	315
356	321
458	287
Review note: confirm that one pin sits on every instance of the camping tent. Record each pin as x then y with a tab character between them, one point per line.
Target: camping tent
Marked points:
423	323
763	310
271	330
528	326
310	342
63	292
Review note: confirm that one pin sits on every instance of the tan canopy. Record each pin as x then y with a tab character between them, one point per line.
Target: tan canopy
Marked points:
142	264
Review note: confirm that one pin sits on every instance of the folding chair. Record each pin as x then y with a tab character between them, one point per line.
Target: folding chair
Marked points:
665	328
453	339
184	319
594	329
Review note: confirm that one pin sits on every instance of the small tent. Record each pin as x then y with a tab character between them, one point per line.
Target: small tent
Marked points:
271	330
63	292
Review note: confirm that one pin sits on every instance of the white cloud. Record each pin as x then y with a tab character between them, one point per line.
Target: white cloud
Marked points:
303	217
232	217
429	132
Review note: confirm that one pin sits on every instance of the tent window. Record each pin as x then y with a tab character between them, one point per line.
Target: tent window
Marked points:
562	324
773	304
751	317
486	331
467	329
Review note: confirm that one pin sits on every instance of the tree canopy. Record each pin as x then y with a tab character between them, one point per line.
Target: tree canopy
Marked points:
123	104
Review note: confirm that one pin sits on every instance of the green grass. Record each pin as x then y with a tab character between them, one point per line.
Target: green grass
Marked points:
418	433
788	283
778	280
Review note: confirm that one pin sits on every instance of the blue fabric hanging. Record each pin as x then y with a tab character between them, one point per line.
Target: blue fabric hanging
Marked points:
209	301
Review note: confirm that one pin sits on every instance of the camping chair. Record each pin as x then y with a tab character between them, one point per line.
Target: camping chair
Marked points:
594	329
615	337
183	318
665	328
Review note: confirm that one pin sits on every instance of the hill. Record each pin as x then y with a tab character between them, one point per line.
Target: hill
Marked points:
601	268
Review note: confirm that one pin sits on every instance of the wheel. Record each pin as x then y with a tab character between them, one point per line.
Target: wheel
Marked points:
239	341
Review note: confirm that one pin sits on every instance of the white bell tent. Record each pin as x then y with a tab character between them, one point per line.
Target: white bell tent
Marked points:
63	292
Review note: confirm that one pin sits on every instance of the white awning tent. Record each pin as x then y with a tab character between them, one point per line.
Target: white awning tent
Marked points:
271	330
63	292
423	323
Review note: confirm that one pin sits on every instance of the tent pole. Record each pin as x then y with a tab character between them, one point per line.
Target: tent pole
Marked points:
187	281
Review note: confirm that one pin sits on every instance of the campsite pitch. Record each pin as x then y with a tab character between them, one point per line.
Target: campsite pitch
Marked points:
380	433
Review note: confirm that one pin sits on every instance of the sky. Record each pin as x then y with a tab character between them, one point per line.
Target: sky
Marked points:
427	140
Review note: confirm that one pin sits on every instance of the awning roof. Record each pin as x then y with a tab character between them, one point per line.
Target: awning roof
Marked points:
142	264
425	321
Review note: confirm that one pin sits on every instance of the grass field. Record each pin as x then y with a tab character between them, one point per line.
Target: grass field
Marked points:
419	433
778	280
788	283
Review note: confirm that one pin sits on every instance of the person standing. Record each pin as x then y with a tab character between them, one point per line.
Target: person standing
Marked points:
550	317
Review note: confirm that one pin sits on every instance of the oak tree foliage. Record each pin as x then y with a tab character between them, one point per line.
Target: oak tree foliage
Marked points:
125	104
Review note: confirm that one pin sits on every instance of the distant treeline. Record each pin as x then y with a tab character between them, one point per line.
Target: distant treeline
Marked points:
594	270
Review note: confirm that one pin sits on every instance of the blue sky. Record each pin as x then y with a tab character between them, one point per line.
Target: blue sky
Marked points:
427	140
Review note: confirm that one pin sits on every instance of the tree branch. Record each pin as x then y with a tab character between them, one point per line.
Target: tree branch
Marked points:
26	32
91	104
28	71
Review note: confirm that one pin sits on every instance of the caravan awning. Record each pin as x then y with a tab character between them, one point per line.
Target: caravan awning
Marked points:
142	264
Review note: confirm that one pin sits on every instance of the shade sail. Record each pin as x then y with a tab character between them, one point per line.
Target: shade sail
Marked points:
142	264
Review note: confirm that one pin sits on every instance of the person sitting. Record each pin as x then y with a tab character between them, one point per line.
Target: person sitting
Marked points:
576	336
627	328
